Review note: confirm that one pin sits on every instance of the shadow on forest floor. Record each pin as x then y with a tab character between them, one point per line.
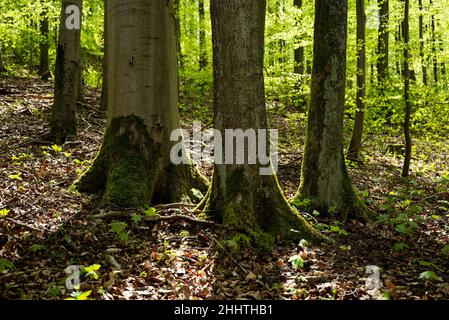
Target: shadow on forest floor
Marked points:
49	228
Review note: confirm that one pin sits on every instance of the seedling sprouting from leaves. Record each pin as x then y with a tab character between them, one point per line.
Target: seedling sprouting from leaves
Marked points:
296	261
36	247
430	276
6	265
77	295
151	212
4	212
91	271
119	229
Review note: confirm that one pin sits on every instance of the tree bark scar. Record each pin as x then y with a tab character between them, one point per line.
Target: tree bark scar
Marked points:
131	62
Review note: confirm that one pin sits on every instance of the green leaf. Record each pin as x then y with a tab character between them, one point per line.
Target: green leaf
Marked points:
4	212
303	243
6	265
36	247
197	193
118	227
296	261
400	246
91	271
56	148
136	218
151	212
429	275
445	250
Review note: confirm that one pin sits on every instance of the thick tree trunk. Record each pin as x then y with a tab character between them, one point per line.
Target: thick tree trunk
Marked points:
421	43
133	166
44	69
324	179
383	42
67	69
408	108
357	132
104	87
239	194
299	52
202	35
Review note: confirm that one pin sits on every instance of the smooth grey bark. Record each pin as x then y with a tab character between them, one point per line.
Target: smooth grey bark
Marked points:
239	194
67	70
324	178
408	107
133	166
357	131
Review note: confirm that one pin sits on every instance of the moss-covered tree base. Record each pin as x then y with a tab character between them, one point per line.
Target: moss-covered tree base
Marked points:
255	203
132	171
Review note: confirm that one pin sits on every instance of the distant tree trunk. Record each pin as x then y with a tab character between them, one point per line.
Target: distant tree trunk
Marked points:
408	139
299	52
104	88
324	179
133	166
239	194
357	132
434	47
421	43
67	70
202	34
177	8
399	53
2	64
383	43
44	69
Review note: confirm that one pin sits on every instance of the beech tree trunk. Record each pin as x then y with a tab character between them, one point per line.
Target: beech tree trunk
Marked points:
421	43
434	48
67	70
2	64
324	178
239	194
133	166
299	52
383	42
408	107
357	132
104	87
44	70
202	35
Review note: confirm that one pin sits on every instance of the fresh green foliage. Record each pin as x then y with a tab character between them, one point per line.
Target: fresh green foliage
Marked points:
80	295
119	228
91	271
430	275
296	261
4	212
6	265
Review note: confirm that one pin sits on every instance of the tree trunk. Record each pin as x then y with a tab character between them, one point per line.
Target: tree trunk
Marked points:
44	69
356	140
133	166
299	52
104	87
67	69
2	64
434	48
324	179
407	135
202	35
421	43
239	194
383	43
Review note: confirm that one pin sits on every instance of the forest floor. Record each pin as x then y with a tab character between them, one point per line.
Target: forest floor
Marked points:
45	227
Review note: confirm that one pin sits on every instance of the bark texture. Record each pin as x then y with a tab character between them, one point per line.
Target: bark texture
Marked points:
239	195
408	107
133	166
324	179
67	70
44	69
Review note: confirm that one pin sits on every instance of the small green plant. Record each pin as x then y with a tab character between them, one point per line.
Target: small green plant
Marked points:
119	228
4	212
91	271
56	148
15	177
445	250
336	229
296	262
150	212
136	218
302	204
36	247
400	246
429	276
237	241
80	295
6	265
